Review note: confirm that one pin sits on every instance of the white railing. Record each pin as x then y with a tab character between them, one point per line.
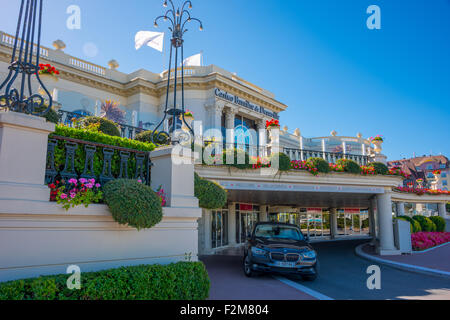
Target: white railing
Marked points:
188	72
87	66
8	40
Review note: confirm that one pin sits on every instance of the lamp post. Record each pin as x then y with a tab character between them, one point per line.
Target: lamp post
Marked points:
178	18
20	98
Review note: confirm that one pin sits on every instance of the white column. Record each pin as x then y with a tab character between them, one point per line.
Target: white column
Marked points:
232	224
442	210
262	136
384	208
215	114
230	117
207	234
324	149
400	208
344	149
333	223
372	222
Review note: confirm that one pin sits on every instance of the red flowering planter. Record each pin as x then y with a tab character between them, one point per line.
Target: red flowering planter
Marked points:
425	240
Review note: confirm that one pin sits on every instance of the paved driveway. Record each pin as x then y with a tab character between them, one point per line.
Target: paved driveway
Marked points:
228	282
342	276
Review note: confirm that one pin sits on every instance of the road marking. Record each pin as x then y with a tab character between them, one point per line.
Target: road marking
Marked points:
302	288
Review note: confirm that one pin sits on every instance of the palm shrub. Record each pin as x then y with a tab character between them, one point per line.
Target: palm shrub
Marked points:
349	166
210	194
112	111
133	203
284	162
425	223
320	164
439	222
380	168
105	126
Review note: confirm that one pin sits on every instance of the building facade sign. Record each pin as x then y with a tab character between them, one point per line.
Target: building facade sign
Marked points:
244	103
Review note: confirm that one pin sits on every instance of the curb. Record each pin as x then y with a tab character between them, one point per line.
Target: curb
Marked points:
431	249
402	266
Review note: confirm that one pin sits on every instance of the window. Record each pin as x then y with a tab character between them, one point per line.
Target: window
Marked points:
430	167
444	174
219	228
430	175
442	166
444	183
418	169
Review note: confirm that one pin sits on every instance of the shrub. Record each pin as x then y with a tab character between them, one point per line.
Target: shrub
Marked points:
106	126
439	222
320	164
425	223
210	194
97	137
380	168
415	225
133	203
241	159
51	116
178	281
349	166
284	162
146	136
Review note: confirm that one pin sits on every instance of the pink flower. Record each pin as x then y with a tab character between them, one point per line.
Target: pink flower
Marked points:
63	196
98	185
82	180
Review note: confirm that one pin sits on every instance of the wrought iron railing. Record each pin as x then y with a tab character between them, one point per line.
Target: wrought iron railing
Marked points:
331	157
126	131
69	158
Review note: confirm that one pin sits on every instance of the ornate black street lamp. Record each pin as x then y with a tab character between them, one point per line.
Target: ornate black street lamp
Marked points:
178	19
20	98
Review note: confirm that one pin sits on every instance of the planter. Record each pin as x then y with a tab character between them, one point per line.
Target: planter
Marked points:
378	145
188	120
46	77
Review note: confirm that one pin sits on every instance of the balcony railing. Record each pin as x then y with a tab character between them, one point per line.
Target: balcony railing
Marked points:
90	160
126	131
330	157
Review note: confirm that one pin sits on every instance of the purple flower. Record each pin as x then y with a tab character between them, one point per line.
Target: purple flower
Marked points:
92	181
82	180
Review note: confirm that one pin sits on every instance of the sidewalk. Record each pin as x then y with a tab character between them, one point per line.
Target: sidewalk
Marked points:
436	261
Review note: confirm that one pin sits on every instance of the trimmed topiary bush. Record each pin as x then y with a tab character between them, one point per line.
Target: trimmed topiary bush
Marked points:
210	194
380	168
133	203
146	136
415	225
179	281
241	159
349	166
320	164
284	162
439	222
425	223
106	126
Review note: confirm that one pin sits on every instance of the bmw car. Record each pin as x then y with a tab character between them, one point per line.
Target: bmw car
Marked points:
279	248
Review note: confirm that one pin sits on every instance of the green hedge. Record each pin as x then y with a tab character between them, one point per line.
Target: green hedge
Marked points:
51	116
380	168
284	162
146	136
319	163
80	155
425	223
179	281
439	222
415	225
210	194
133	203
108	127
349	166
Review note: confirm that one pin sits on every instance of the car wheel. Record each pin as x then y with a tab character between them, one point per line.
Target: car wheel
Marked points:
247	267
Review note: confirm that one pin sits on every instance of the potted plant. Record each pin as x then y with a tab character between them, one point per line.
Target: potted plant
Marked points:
437	173
419	183
188	117
377	142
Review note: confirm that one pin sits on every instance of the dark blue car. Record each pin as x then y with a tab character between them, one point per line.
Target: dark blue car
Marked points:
280	248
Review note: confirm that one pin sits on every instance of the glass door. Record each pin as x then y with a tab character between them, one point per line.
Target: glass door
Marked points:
219	228
246	218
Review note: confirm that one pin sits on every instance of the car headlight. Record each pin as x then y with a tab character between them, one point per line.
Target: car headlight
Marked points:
258	252
309	254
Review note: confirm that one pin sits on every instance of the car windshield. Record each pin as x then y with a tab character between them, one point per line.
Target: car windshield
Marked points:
274	231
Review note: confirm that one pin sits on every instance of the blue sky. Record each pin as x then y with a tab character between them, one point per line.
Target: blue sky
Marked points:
318	57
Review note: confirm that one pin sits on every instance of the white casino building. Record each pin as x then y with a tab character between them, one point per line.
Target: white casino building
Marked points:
329	206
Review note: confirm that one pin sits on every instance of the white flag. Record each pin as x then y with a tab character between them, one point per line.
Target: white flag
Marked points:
193	61
149	38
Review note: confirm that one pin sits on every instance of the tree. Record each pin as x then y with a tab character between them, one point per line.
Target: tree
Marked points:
111	111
